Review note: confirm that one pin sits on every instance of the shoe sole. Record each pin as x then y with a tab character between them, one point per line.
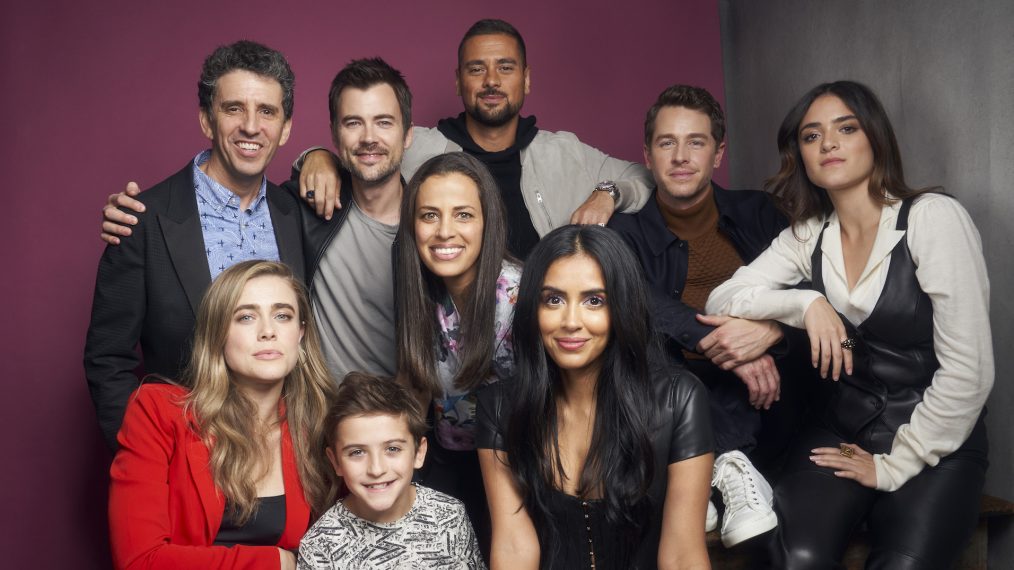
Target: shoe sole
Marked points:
751	530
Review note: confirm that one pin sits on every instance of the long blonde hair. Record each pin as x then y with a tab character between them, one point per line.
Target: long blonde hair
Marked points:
226	420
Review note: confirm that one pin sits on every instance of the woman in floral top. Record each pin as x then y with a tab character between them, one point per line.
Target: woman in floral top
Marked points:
456	289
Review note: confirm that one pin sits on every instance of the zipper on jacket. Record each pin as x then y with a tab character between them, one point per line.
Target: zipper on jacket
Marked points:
545	210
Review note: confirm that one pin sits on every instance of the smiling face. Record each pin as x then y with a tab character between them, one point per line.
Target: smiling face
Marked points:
574	315
370	134
376	457
246	126
448	228
262	345
492	79
836	153
682	155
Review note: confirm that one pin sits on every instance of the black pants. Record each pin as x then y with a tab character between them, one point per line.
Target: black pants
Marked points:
734	421
923	525
763	435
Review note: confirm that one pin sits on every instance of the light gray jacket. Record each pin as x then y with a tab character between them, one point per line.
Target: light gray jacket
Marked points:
558	173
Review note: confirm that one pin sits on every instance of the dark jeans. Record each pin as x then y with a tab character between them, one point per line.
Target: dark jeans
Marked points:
761	434
734	421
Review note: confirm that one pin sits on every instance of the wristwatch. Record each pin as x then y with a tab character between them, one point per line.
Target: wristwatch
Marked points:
609	187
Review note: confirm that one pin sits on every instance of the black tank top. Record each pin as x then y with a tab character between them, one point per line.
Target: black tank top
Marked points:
264	528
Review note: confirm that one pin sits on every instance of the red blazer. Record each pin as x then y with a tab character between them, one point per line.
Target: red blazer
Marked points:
164	508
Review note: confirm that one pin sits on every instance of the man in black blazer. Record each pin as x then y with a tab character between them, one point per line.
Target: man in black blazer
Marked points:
218	210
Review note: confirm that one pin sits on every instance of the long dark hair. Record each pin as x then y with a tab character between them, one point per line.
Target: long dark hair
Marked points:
799	198
620	460
419	290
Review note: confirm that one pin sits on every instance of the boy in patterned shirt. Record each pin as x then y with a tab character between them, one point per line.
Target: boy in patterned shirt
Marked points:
374	443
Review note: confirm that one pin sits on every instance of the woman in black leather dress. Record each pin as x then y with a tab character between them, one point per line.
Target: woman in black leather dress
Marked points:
898	321
596	455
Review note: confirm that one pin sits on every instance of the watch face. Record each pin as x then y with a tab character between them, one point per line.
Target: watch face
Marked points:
608	187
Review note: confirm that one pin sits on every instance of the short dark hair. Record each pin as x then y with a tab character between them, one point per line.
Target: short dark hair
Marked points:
248	56
696	98
362	394
363	74
491	27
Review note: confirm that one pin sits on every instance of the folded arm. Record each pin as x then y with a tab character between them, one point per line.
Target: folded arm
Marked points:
947	250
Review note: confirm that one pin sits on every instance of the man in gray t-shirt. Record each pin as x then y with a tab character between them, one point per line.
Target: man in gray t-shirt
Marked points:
353	296
352	278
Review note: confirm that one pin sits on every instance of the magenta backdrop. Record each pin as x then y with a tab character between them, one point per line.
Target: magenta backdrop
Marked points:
104	92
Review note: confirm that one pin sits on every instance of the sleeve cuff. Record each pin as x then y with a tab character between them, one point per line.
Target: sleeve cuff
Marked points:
633	195
297	165
896	468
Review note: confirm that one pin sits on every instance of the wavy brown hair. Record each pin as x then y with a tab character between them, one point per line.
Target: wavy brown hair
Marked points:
800	198
226	420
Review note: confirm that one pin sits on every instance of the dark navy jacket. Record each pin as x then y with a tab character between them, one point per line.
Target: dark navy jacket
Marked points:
748	218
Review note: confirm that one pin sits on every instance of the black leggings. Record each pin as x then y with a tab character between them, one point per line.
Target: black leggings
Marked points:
924	524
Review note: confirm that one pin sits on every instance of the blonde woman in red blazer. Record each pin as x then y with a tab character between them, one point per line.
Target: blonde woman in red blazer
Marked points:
246	430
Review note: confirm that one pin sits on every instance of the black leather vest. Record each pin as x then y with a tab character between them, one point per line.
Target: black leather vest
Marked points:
893	360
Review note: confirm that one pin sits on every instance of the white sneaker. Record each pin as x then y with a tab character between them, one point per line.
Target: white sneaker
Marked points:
711	520
747	497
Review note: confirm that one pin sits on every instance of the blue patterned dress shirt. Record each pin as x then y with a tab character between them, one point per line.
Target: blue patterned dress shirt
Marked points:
232	235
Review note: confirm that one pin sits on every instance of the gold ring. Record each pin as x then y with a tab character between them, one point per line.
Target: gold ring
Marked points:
846	451
848	344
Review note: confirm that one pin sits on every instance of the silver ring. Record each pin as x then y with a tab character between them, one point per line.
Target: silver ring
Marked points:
848	344
602	225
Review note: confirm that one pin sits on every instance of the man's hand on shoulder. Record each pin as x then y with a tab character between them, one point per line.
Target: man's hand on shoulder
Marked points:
735	342
762	380
319	183
597	209
116	223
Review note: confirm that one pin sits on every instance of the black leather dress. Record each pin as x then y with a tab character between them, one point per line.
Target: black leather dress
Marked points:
925	523
684	431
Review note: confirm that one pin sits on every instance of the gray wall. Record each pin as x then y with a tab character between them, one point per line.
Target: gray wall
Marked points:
945	72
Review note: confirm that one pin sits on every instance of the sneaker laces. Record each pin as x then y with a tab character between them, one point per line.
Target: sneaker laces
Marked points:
737	485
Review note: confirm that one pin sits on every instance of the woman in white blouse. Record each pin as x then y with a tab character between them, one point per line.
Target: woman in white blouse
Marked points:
898	321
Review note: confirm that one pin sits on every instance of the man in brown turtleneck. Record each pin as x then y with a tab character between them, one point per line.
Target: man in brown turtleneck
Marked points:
691	236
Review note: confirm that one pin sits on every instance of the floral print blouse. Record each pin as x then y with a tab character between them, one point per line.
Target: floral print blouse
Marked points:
455	409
